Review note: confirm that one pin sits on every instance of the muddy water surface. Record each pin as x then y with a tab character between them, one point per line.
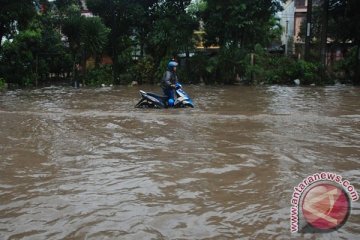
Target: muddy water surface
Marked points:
84	164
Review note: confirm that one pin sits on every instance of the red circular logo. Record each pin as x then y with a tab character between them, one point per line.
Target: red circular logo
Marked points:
326	206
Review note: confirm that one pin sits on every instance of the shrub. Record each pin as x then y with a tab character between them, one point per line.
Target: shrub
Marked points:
344	70
275	69
2	84
144	70
98	76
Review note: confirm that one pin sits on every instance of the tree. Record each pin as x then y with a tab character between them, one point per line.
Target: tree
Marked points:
94	35
34	52
143	17
18	65
117	16
238	23
71	28
14	15
236	26
63	5
196	8
172	33
86	36
172	30
343	28
160	28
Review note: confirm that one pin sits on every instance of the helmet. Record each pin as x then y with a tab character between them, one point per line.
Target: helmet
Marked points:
171	102
172	64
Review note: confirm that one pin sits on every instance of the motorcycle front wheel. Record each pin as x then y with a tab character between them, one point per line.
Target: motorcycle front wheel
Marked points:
187	105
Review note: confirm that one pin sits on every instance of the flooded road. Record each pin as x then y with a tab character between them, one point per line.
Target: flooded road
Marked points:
84	164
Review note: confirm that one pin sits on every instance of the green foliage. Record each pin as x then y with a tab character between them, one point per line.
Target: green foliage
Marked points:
130	23
18	59
2	84
34	53
72	28
15	15
223	67
274	69
343	29
63	5
197	7
172	30
153	31
144	70
84	33
344	70
94	35
98	76
86	37
200	69
239	22
344	20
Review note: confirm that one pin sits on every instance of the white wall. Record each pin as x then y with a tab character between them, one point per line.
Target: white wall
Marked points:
287	21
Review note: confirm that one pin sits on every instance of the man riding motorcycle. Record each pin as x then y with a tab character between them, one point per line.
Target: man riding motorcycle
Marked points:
169	81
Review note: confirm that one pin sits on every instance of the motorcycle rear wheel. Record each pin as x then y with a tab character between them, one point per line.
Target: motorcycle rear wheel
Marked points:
144	105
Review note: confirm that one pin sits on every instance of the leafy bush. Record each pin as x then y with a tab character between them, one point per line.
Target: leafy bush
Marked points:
126	78
18	58
198	68
144	70
344	69
98	76
310	72
229	64
2	84
274	69
221	67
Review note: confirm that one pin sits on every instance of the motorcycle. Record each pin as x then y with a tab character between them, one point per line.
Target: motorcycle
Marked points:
152	100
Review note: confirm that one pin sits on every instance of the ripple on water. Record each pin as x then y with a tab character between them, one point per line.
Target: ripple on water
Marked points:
84	164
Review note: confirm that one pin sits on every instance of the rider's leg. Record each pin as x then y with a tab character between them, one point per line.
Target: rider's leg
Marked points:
170	93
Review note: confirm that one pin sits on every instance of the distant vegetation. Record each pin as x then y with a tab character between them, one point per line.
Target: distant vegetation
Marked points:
52	42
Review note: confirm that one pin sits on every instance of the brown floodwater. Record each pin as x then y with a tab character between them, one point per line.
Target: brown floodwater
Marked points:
85	164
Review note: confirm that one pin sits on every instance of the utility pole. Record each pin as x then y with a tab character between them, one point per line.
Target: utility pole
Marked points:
308	30
114	31
286	38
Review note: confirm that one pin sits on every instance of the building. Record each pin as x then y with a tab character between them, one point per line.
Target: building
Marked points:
287	17
299	17
84	10
291	19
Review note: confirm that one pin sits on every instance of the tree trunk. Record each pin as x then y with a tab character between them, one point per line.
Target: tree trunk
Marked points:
74	70
114	34
97	59
83	66
308	31
187	65
142	46
36	70
357	65
324	27
324	32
